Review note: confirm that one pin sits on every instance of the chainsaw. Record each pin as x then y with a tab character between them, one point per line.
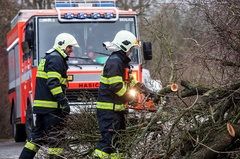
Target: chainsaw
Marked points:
142	97
141	101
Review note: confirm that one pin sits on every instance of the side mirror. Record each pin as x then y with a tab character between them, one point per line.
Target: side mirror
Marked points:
25	47
147	50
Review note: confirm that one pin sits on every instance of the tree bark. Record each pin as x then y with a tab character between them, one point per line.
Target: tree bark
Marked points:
221	92
191	89
220	142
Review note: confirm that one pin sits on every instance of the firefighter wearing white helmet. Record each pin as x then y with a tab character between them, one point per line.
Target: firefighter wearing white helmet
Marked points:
125	40
62	42
113	94
50	102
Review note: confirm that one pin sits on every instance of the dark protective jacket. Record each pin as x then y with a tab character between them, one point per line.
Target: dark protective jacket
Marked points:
112	93
51	82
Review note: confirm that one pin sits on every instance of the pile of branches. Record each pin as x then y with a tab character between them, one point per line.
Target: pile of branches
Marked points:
197	122
208	126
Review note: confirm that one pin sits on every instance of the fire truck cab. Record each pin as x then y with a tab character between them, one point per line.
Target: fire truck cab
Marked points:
33	32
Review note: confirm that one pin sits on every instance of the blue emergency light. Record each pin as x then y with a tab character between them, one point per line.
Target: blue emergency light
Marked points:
68	15
95	15
72	16
81	3
108	15
82	15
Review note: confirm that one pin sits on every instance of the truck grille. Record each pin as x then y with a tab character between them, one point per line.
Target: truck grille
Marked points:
89	95
82	99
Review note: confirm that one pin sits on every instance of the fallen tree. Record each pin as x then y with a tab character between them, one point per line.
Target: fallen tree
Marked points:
203	130
197	122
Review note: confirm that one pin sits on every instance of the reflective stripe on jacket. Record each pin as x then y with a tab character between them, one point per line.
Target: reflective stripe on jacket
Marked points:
51	80
112	85
111	106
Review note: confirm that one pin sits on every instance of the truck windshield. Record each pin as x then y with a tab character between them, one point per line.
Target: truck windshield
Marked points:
90	36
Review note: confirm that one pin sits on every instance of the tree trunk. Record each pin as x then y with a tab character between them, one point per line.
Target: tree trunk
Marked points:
191	89
220	142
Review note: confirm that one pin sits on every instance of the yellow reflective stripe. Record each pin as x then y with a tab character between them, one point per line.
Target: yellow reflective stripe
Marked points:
122	90
111	106
63	81
101	154
45	104
31	146
41	74
61	52
54	75
45	75
55	151
104	80
117	156
56	90
111	80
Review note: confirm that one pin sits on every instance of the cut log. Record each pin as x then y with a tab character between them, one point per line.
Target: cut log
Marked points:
191	89
234	130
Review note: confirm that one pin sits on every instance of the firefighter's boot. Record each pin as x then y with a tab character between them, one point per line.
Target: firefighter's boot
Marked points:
27	154
29	151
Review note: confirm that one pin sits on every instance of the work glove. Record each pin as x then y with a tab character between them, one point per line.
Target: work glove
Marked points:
65	106
66	110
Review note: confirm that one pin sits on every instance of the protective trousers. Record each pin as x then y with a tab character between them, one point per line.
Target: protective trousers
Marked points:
110	122
47	125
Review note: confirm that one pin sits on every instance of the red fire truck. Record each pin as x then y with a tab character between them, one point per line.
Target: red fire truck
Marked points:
33	32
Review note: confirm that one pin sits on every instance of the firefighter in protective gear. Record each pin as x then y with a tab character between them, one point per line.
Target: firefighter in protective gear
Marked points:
113	95
50	103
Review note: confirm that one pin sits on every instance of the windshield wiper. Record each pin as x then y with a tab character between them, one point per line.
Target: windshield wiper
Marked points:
82	58
75	65
101	53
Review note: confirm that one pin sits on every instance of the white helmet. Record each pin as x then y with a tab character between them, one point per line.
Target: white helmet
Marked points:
125	40
63	40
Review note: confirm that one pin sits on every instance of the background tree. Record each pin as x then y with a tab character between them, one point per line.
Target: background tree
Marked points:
197	46
37	4
8	9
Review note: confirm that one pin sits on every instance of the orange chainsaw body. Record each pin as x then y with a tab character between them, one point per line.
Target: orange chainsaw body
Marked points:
140	104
